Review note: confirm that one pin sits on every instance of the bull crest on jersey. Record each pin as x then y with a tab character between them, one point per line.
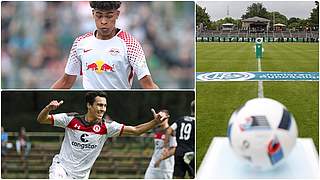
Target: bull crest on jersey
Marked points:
100	66
114	51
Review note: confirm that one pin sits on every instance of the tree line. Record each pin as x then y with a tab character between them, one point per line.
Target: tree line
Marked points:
257	9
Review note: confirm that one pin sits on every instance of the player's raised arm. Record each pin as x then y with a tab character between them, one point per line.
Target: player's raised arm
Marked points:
65	82
142	128
147	83
44	117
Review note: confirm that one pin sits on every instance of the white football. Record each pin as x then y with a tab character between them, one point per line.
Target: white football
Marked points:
262	132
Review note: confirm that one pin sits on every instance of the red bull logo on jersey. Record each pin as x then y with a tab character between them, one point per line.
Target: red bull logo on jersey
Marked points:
100	66
114	51
92	67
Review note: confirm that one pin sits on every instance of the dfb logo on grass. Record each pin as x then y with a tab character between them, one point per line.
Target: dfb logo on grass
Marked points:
225	76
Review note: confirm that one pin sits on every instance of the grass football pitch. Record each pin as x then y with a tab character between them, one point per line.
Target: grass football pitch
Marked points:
240	57
217	100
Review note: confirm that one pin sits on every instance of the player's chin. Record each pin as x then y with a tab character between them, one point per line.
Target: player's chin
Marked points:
99	116
105	31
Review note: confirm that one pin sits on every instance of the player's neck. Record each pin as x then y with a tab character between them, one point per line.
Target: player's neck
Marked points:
105	37
89	118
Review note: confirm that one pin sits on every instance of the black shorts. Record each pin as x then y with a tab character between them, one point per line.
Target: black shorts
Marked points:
180	168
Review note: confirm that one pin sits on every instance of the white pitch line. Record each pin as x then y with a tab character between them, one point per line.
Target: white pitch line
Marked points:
260	83
259	64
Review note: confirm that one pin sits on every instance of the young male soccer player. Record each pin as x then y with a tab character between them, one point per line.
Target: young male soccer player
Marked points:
162	162
86	134
107	58
184	155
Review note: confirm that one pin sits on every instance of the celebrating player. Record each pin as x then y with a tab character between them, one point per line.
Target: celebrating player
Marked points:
107	58
184	155
86	134
162	162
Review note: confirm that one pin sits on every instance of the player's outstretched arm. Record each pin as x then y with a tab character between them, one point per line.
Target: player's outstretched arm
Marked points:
44	117
65	82
147	83
142	128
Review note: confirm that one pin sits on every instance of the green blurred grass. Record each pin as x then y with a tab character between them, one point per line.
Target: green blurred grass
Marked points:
217	100
239	57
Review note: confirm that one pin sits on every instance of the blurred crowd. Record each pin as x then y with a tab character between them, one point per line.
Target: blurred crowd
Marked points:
23	143
36	38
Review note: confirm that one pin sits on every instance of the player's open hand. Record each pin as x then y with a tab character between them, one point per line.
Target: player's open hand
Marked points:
53	105
160	116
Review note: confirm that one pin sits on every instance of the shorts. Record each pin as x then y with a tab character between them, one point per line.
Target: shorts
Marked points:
153	173
56	171
180	168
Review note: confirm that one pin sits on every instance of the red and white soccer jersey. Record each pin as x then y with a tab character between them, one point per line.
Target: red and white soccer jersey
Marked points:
82	143
107	64
165	170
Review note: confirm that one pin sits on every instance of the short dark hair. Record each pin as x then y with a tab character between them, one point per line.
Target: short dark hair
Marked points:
165	111
105	5
90	96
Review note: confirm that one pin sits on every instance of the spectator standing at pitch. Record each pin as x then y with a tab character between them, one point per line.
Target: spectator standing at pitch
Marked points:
86	134
23	143
184	155
5	145
107	58
162	161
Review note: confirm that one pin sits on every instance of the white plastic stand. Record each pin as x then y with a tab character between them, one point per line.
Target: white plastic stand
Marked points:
221	162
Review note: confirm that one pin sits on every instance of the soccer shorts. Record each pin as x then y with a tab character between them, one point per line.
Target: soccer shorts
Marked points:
154	173
56	171
180	168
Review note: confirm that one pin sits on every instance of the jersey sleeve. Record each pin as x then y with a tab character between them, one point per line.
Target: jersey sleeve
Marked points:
114	129
173	141
137	60
61	120
136	55
174	126
73	66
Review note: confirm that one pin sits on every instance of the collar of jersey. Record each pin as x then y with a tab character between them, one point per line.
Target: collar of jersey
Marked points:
86	123
117	32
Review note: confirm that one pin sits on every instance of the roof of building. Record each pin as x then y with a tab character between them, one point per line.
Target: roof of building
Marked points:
255	19
227	24
279	24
